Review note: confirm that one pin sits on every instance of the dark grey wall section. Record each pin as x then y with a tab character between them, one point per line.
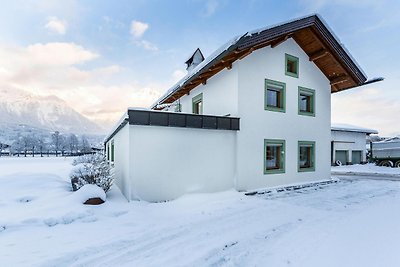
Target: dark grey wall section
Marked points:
158	119
141	118
193	121
210	122
224	123
173	119
177	120
235	124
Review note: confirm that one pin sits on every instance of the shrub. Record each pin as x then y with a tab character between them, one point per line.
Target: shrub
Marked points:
91	169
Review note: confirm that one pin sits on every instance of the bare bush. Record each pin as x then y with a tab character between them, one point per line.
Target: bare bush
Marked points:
91	169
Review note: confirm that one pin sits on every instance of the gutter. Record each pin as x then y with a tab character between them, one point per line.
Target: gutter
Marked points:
374	80
116	130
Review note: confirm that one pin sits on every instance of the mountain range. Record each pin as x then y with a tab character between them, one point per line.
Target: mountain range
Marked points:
21	111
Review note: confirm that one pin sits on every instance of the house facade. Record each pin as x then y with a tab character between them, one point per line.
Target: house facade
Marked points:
348	144
254	114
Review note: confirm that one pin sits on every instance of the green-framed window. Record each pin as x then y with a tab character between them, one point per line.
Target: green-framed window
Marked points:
306	156
112	151
197	104
108	151
274	156
291	66
274	96
306	101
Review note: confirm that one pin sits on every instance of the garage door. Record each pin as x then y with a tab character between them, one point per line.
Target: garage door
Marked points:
356	157
342	156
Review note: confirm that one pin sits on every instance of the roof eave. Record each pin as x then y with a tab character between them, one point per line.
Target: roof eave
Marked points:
266	36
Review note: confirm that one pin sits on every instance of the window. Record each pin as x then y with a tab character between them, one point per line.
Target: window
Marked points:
112	151
306	156
291	66
274	156
108	151
274	98
306	101
197	104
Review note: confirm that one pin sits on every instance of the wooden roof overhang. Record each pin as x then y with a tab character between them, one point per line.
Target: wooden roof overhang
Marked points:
310	33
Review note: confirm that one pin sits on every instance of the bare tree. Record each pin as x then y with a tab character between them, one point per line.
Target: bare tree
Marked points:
84	145
16	146
56	141
73	143
42	144
63	144
33	143
25	143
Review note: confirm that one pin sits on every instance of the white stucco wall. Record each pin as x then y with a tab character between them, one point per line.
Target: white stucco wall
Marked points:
258	124
349	141
121	160
167	162
219	94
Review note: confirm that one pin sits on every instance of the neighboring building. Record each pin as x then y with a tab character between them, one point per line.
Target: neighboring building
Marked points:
348	144
254	114
4	149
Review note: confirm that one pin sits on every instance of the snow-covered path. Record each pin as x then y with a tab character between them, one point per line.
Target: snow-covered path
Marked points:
351	223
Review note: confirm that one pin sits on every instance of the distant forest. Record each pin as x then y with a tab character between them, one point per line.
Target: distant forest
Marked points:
47	144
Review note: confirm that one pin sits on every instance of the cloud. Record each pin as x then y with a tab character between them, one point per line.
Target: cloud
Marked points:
55	69
58	54
146	45
368	107
108	103
50	63
138	28
56	25
210	8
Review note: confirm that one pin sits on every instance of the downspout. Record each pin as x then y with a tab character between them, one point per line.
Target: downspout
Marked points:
370	149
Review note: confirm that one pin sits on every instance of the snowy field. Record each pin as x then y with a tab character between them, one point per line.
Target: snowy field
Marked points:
42	223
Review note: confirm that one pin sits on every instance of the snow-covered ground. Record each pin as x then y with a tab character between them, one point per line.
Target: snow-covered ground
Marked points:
369	168
42	223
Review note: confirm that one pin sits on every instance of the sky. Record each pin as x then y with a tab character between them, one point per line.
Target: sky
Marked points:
104	56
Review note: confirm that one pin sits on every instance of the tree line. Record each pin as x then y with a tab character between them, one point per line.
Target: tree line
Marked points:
51	144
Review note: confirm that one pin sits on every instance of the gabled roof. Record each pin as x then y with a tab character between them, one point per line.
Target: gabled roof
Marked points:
311	33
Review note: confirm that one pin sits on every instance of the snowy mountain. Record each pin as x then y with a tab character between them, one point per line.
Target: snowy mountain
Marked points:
20	110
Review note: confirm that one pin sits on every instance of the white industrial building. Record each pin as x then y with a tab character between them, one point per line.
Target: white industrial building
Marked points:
348	144
254	114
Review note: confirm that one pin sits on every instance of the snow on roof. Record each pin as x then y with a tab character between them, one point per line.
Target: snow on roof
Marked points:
190	74
235	41
351	128
259	30
395	139
250	33
341	44
138	108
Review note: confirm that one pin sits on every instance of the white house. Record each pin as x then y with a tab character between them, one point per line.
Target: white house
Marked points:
348	144
254	114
